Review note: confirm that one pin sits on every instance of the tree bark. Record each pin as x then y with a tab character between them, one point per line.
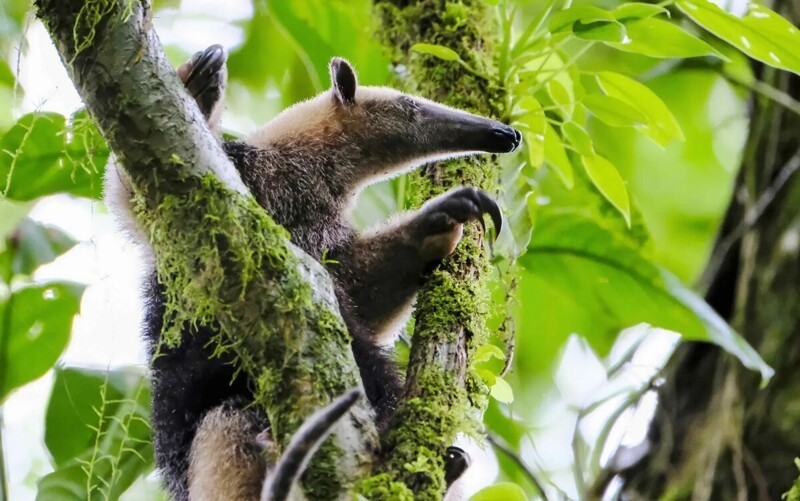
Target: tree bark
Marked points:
222	259
444	396
717	434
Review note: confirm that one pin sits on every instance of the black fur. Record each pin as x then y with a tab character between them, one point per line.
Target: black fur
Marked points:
306	184
188	382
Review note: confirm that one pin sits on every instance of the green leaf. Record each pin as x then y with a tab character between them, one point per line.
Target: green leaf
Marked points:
561	97
602	32
556	157
635	10
607	179
10	215
503	491
604	280
761	34
612	111
661	125
532	122
487	376
98	433
582	13
659	38
32	244
39	321
501	391
486	352
36	159
578	138
436	50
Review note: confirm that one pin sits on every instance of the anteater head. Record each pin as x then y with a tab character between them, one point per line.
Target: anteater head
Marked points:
380	132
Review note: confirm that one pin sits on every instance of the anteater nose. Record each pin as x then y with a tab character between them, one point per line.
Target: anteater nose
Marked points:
509	134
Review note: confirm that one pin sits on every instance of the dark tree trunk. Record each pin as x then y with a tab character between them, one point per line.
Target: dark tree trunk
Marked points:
717	435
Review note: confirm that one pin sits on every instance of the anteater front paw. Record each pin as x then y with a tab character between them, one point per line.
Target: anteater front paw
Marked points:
441	220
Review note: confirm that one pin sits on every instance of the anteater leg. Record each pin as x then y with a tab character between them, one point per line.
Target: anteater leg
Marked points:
205	77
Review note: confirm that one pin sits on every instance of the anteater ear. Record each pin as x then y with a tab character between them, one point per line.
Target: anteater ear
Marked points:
343	80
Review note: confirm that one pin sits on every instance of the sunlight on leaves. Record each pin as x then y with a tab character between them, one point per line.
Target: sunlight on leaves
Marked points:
761	33
662	127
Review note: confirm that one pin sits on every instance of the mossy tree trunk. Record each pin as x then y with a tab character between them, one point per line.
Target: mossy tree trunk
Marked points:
222	260
716	434
443	395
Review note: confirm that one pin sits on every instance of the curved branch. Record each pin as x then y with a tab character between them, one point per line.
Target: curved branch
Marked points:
222	259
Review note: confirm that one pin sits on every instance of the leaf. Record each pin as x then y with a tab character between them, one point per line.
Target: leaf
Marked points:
761	34
487	376
10	215
661	126
98	433
578	138
658	38
518	198
556	157
36	159
436	50
486	352
503	491
583	13
307	39
501	391
612	111
532	122
636	10
607	179
603	31
561	97
597	275
39	321
32	244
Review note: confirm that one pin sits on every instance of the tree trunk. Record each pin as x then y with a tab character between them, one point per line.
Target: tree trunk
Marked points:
717	434
444	396
222	260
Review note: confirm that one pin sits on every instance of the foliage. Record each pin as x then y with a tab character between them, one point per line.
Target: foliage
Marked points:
97	432
629	156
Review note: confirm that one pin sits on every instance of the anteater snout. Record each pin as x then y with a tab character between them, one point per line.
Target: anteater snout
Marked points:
508	138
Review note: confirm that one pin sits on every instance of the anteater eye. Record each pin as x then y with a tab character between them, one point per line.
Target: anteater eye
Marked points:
410	102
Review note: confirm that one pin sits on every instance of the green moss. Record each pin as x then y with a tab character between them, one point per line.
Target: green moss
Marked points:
91	15
455	299
217	277
382	486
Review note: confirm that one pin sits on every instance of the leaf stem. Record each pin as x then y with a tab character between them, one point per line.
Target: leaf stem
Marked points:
766	90
501	445
572	60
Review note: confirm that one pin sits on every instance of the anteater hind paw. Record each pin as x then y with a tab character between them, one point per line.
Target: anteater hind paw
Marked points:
205	77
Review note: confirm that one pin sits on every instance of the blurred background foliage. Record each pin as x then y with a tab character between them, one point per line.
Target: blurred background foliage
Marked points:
635	120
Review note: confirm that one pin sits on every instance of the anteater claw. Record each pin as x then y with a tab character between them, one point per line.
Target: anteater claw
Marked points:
204	65
489	206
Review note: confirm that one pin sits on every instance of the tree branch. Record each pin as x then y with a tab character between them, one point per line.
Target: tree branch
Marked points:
444	396
222	260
